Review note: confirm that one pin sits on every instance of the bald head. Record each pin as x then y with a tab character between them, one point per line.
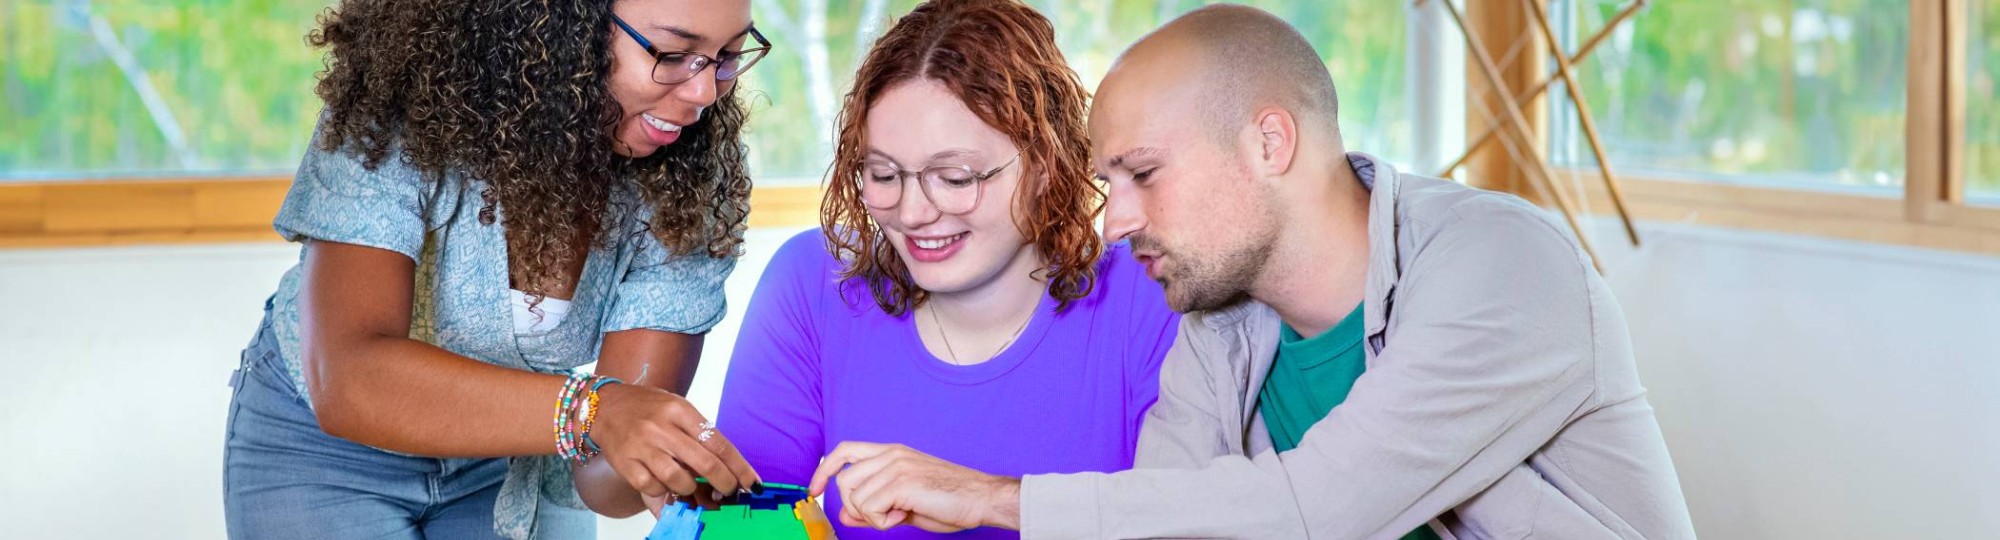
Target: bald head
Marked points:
1233	60
1212	116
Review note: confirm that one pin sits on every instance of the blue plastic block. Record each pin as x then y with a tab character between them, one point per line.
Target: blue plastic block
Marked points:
678	521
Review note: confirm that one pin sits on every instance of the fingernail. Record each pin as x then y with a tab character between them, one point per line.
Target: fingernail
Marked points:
757	487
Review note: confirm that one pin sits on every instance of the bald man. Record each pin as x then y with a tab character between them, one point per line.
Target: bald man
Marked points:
1368	354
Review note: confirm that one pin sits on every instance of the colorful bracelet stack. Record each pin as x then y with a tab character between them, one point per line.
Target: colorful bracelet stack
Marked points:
576	412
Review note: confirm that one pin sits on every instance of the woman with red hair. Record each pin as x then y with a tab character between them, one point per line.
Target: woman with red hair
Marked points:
957	299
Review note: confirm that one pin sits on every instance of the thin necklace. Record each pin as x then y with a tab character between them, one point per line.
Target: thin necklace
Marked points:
947	337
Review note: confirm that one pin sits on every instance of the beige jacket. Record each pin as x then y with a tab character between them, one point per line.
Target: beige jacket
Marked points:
1500	401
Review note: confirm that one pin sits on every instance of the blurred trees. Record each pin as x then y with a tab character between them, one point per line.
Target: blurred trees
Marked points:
95	88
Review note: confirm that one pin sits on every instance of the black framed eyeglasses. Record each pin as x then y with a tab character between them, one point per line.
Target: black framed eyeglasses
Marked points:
679	67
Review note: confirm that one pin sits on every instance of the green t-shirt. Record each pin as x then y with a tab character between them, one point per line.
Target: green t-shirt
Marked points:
1309	378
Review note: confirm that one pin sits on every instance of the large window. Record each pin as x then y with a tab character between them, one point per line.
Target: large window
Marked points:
1363	44
1800	93
1862	119
138	87
93	89
1982	93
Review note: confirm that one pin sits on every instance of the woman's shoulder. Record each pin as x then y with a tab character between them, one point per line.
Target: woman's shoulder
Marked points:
349	168
346	168
806	253
345	193
804	267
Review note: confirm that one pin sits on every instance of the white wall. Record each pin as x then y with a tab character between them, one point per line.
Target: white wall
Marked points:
1810	389
116	366
1820	389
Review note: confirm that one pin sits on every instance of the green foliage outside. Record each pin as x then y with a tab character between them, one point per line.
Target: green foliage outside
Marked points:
1808	91
235	75
1787	91
231	80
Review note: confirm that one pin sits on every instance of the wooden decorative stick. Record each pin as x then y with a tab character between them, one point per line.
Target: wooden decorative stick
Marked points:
1568	75
1524	133
1589	46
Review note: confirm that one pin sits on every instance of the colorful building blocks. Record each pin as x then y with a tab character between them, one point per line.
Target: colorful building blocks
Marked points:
782	512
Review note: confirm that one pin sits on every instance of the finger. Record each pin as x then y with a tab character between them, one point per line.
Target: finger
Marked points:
704	464
733	459
841	456
854	516
697	454
853	507
894	518
859	507
669	472
851	515
863	487
862	478
851	519
640	477
682	482
653	504
854	478
706	497
869	486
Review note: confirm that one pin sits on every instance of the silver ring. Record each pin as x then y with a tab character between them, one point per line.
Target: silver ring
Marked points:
707	432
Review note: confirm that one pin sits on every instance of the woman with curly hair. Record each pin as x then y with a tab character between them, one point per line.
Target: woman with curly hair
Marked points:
957	299
498	193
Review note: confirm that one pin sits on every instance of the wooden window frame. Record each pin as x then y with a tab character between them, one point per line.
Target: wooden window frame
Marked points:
224	209
1935	187
1931	212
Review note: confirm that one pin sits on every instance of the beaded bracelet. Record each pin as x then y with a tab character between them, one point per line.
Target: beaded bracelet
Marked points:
590	448
565	427
576	413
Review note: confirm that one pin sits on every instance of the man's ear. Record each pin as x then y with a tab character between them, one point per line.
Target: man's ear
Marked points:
1277	141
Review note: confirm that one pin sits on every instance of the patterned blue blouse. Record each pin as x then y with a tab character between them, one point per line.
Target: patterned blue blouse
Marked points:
462	302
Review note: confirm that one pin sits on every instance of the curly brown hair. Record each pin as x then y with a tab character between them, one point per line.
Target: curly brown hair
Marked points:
515	94
1001	59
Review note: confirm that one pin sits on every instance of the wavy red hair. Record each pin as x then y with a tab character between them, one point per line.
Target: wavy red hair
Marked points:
1000	58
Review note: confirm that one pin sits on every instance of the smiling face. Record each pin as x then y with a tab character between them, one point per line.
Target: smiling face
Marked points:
920	124
654	113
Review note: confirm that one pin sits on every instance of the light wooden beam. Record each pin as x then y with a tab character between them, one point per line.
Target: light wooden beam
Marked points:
1487	131
1525	134
1576	99
239	209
